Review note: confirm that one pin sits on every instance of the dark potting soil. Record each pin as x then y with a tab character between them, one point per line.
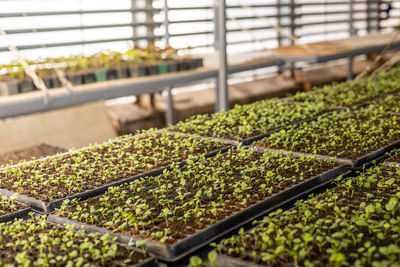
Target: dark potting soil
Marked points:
346	134
37	242
341	215
204	194
36	152
76	172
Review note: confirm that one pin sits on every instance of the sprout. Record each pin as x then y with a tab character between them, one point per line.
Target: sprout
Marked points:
353	224
180	202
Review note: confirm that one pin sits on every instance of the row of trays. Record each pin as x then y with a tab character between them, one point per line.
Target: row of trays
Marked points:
388	163
87	77
242	218
202	238
171	253
215	232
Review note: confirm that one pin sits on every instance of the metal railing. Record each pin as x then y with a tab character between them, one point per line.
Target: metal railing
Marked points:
292	15
247	23
150	21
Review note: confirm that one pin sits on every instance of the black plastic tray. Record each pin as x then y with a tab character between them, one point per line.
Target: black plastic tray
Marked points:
65	153
220	229
47	207
357	164
373	157
20	214
251	140
225	261
209	138
150	262
340	161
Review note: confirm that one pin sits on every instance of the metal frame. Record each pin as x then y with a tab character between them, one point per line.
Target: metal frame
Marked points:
369	10
222	88
350	54
134	87
107	90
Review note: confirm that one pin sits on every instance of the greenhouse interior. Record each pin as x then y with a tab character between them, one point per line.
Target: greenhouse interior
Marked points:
200	133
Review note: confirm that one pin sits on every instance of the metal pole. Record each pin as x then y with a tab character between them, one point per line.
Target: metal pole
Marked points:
373	15
279	22
223	65
352	30
215	21
368	17
134	21
170	106
379	19
293	33
166	23
217	96
149	18
350	74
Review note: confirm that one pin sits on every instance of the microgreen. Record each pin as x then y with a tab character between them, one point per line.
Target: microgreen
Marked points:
182	201
10	205
353	92
97	165
389	103
250	120
37	243
346	134
355	224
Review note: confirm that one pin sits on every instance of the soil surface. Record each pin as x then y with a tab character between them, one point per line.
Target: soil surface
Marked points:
105	208
75	247
347	137
395	158
351	203
36	151
75	172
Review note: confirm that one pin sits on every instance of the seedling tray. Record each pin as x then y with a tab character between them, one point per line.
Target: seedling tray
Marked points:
375	156
247	141
66	153
365	161
47	207
149	262
341	161
20	214
251	140
223	227
357	164
218	139
224	260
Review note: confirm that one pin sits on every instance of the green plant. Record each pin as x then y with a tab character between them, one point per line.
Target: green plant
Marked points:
37	243
389	103
348	133
250	120
355	224
353	92
10	204
97	165
182	201
86	63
